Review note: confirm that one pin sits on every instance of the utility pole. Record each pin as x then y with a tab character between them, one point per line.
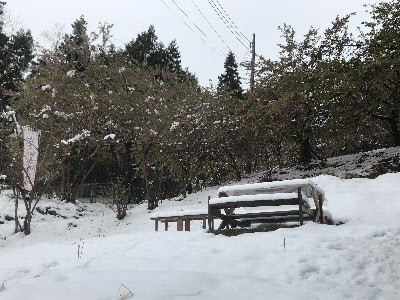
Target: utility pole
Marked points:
249	164
253	62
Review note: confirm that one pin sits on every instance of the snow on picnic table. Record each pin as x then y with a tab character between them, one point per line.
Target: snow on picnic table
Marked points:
357	260
180	213
266	197
270	185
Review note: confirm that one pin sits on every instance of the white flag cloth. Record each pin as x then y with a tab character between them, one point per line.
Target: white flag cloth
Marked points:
31	152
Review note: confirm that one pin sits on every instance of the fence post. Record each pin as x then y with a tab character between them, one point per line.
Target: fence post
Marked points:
321	211
300	206
209	215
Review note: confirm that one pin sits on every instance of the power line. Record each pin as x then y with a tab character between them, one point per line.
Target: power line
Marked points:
198	28
180	18
241	33
226	17
188	18
224	20
187	25
180	8
209	23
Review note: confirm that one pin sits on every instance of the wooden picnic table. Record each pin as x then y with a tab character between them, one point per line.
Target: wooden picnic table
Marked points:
181	217
269	194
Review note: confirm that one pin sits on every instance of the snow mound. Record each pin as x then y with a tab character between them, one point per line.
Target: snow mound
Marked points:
357	260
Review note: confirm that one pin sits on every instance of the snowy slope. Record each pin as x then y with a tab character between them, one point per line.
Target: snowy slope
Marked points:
357	260
364	164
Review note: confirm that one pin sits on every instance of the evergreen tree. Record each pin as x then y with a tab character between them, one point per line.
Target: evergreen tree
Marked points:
16	54
230	80
175	65
146	50
76	45
174	58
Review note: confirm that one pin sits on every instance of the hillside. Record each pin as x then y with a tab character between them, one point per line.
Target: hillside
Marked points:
356	260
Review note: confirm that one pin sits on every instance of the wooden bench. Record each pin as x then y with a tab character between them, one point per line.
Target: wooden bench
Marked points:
181	217
271	194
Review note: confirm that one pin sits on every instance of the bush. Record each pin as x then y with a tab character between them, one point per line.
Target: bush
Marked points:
120	199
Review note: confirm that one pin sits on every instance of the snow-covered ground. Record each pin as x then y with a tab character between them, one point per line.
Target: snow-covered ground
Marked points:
364	164
357	260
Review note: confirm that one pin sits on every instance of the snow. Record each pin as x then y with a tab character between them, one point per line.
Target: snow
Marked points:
78	137
46	87
109	136
174	125
357	260
354	165
180	213
7	114
272	197
71	73
269	185
63	115
153	132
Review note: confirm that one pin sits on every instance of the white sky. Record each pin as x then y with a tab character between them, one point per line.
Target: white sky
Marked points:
131	17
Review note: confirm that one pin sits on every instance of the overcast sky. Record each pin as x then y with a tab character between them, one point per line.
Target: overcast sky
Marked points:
131	17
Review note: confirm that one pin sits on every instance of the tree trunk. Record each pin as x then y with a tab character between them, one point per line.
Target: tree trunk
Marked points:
232	162
160	184
150	175
62	188
184	181
16	220
27	223
394	127
129	176
305	151
249	167
28	216
393	121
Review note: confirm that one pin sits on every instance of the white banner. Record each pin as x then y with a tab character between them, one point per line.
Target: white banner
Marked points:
31	152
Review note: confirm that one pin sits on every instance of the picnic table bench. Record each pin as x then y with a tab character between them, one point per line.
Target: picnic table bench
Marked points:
181	217
296	192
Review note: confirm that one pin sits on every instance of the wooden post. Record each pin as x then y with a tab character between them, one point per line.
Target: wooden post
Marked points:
156	224
317	210
187	225
205	223
321	212
179	225
300	206
209	215
253	62
166	226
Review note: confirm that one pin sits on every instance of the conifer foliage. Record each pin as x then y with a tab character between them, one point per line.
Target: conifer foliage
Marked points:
230	81
16	54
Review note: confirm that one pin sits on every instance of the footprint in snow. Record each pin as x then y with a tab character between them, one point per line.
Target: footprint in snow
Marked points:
49	265
308	270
